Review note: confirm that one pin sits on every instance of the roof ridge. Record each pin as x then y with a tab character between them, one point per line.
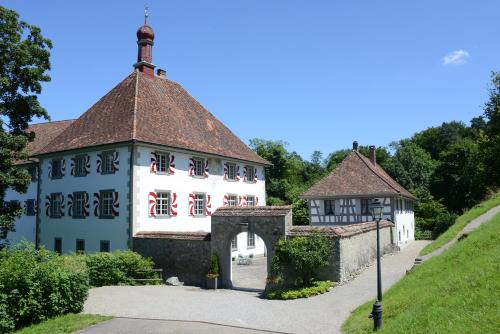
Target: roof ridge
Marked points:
363	158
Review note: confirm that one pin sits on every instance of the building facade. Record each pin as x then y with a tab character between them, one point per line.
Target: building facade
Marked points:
146	158
344	197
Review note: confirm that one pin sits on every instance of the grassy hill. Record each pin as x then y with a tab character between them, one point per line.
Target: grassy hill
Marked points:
455	292
461	222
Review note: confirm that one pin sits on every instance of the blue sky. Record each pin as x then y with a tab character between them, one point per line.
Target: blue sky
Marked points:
317	74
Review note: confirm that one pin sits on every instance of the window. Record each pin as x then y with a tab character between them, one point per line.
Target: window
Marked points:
199	204
162	162
250	240
234	243
78	205
250	200
30	207
107	162
250	173
56	205
163	204
232	201
198	167
106	203
329	207
365	206
80	245
58	245
56	169
231	172
33	172
80	166
104	246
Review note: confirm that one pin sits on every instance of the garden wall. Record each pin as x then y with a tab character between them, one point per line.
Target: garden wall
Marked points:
354	246
182	254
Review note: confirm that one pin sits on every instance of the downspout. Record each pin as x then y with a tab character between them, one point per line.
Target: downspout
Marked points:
131	197
38	205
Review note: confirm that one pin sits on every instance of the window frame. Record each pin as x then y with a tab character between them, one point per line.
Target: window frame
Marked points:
80	162
331	212
253	200
229	200
52	201
80	242
101	204
28	211
75	214
105	157
365	208
58	175
158	199
33	172
107	247
166	164
203	205
250	237
234	243
197	160
58	247
252	169
232	166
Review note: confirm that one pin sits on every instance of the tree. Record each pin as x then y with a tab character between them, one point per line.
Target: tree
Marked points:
24	61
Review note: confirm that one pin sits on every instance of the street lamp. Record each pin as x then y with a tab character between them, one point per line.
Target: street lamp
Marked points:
376	209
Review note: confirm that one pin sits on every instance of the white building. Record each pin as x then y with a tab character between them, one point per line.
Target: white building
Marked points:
343	197
147	157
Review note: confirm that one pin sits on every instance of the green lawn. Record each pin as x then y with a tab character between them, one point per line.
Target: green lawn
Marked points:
64	324
455	292
461	222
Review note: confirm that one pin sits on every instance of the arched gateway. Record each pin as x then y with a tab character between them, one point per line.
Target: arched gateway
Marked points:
269	222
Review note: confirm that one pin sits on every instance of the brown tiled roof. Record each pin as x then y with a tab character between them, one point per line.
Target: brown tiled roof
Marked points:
252	211
174	235
356	176
337	231
44	134
152	110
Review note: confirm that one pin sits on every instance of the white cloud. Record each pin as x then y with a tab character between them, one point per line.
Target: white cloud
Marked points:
456	57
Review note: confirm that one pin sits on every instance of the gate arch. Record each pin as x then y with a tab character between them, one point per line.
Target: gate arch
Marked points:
269	222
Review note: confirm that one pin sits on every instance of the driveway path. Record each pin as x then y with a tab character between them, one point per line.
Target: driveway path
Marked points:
189	309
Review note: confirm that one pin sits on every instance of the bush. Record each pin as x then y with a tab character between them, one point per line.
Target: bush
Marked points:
214	267
297	260
38	284
120	267
316	288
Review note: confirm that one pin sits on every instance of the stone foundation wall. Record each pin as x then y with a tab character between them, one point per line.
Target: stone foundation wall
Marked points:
186	257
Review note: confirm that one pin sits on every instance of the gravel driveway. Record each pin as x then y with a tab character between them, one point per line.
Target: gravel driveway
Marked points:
319	314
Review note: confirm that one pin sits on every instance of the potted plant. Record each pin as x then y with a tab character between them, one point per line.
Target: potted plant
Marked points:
213	273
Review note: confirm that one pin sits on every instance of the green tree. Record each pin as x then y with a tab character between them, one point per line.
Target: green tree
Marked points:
24	61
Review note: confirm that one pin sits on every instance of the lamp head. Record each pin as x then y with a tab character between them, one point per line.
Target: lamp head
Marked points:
376	209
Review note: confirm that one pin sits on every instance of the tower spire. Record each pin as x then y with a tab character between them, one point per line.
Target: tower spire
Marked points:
145	37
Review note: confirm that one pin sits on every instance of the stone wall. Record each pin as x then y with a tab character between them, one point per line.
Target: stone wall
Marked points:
185	255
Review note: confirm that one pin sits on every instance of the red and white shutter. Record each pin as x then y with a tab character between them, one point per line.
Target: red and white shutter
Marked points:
256	201
208	205
152	203
206	170
153	167
255	175
173	205
191	204
225	202
171	166
238	173
191	167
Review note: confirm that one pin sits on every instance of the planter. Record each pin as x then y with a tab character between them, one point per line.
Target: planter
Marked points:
212	283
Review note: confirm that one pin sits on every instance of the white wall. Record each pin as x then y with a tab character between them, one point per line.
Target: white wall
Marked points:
91	228
182	185
25	226
243	248
405	227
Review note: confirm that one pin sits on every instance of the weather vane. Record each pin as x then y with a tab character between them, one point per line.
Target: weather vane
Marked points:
146	14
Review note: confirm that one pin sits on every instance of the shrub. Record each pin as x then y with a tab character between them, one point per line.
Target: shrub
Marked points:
214	267
120	267
316	288
38	284
297	260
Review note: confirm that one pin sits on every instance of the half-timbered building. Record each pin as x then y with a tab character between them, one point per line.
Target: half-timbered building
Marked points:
344	196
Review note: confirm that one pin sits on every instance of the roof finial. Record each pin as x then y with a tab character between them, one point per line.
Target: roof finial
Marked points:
146	14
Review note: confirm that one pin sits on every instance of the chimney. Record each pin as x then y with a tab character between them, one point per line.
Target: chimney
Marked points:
373	156
161	73
354	145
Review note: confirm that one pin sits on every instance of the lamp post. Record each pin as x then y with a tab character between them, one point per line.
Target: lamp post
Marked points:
376	209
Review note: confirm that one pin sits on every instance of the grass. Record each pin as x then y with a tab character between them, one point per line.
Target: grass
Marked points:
317	288
64	324
461	222
455	292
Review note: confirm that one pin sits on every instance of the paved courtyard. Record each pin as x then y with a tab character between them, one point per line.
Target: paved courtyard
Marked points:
194	310
251	277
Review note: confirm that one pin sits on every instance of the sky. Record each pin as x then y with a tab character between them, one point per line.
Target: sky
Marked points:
315	74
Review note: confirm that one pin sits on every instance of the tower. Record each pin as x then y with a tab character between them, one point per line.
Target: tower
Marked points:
145	37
